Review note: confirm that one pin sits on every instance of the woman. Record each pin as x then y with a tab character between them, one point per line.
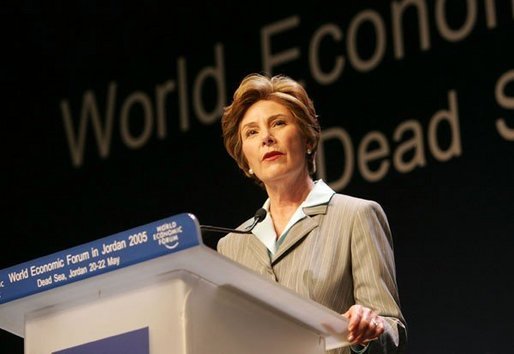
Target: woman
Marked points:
329	247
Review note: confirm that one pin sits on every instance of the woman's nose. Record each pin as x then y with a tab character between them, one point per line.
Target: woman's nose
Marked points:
268	139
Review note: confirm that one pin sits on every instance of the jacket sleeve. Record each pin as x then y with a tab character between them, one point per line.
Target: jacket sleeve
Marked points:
374	278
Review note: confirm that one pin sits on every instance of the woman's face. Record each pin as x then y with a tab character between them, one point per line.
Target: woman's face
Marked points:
273	144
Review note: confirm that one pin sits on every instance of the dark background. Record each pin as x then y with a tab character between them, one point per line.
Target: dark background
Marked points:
452	220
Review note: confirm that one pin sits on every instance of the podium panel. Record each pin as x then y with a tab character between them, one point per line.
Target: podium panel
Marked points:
158	307
226	316
184	314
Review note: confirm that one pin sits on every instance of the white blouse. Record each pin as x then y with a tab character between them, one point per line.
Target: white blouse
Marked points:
265	231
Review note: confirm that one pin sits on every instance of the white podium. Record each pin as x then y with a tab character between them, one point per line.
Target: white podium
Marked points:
158	289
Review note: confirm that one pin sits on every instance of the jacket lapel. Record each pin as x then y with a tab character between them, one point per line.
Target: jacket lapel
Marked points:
259	250
301	229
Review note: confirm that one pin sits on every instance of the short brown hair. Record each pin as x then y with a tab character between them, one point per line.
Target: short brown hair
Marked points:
281	89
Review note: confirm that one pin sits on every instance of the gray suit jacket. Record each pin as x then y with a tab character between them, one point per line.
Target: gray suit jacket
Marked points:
339	255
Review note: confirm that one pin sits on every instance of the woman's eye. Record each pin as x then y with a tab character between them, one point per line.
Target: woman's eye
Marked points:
279	122
251	132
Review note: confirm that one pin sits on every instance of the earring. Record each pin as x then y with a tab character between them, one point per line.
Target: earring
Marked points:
250	171
309	151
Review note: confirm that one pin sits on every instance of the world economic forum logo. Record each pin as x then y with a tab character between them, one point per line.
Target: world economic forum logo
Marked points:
167	235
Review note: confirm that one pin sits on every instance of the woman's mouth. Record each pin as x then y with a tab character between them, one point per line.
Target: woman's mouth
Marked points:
272	155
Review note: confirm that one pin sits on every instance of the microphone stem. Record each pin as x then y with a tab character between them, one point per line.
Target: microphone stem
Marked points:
259	216
223	229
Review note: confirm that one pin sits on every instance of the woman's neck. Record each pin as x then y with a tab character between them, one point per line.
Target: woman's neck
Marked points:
286	198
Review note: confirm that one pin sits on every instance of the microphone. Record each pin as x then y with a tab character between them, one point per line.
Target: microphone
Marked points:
257	218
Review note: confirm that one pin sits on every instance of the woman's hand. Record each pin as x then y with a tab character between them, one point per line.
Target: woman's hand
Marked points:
364	325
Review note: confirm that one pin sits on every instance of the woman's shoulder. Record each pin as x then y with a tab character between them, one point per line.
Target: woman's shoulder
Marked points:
344	200
226	243
234	238
350	206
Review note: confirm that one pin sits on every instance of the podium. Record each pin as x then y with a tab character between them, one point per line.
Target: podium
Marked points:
158	289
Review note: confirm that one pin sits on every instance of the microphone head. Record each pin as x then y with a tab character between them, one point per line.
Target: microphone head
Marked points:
260	215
